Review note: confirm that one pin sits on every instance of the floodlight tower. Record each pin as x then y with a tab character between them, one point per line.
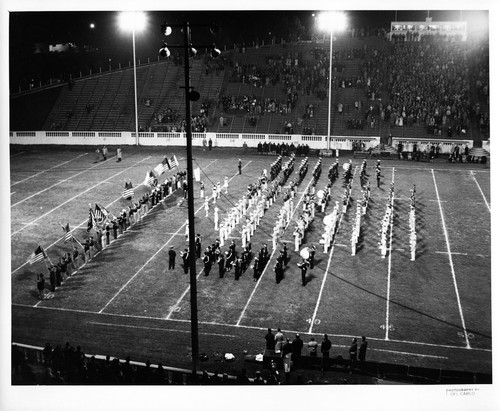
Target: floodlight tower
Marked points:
190	95
331	21
135	21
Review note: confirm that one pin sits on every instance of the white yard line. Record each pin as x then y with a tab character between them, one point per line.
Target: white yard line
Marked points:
484	198
56	184
316	308
451	263
76	196
158	329
13	155
389	266
270	257
251	327
160	249
176	305
51	168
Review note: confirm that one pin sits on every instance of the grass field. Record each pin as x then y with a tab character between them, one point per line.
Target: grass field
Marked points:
434	311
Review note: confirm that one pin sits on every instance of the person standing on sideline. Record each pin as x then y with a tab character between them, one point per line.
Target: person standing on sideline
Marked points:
353	351
202	189
40	285
362	351
171	258
105	153
269	337
118	154
239	166
286	354
312	346
326	345
210	144
297	345
207	206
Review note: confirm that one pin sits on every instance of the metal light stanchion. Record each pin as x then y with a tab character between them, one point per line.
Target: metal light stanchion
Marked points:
192	246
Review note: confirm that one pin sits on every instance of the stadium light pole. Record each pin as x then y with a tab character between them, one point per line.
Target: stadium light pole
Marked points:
331	21
190	95
134	21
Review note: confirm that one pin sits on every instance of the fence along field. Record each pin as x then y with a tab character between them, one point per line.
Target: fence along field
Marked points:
438	299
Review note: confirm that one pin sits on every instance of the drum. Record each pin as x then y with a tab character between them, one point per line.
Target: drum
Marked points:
321	194
304	253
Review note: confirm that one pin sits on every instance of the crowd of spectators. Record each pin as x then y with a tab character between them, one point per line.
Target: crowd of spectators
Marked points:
246	104
283	149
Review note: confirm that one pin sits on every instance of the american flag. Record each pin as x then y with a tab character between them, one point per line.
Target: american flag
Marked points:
173	162
158	170
67	234
38	255
127	192
150	178
165	165
102	214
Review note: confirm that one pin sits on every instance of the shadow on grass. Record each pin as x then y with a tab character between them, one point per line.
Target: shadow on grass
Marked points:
382	297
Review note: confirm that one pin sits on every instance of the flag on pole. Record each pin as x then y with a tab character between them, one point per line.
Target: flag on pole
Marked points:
75	240
158	170
102	215
165	165
91	223
173	162
67	234
197	174
38	255
128	191
149	179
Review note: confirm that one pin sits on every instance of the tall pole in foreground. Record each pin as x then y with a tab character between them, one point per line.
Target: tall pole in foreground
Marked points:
192	246
135	91
330	93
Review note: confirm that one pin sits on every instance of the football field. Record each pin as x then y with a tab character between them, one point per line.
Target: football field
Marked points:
433	312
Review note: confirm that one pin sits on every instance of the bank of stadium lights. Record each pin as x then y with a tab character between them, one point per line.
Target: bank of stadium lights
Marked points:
166	30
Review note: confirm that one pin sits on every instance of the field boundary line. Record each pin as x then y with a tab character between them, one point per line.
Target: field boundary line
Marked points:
149	259
316	308
270	257
292	332
481	191
158	329
450	258
389	266
44	171
249	327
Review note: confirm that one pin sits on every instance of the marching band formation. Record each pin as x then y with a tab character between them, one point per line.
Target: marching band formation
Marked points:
246	215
